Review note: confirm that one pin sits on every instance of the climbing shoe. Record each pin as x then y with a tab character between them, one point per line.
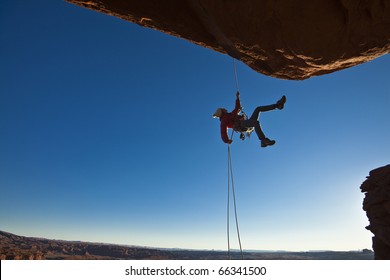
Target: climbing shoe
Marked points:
267	142
280	103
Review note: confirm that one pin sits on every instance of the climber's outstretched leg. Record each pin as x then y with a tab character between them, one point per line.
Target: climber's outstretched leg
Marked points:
278	105
253	120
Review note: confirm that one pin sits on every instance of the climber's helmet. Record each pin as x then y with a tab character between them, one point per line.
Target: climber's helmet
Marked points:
219	112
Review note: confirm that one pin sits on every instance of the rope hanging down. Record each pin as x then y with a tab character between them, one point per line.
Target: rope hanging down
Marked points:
231	179
235	74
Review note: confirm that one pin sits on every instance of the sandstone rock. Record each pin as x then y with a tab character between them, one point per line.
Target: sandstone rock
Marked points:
289	39
377	206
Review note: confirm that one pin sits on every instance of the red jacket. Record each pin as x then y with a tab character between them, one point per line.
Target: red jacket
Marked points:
228	121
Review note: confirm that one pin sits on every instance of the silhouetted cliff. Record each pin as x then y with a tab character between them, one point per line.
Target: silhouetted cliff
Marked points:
377	206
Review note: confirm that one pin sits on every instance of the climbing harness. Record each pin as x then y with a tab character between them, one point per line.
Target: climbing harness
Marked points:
244	131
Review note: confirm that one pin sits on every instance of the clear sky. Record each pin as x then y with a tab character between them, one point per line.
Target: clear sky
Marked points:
106	135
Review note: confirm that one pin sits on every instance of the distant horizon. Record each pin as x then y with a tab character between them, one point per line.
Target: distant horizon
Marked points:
174	248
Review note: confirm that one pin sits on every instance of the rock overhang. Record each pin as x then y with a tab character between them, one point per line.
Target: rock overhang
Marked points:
292	40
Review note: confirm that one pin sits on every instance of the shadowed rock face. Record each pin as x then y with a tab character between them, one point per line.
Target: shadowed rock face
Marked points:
377	206
289	39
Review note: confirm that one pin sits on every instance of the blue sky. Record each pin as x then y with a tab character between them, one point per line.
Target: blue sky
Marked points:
106	135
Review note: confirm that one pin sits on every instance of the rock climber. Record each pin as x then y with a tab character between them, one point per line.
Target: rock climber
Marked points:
240	124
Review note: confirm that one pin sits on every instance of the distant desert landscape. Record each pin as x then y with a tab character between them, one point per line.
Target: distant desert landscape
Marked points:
14	247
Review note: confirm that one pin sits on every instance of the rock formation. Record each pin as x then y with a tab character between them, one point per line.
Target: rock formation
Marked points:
377	206
289	39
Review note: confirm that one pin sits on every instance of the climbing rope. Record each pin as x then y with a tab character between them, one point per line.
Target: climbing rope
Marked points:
235	74
231	180
231	183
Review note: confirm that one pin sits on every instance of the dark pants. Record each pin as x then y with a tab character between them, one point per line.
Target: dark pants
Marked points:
253	120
